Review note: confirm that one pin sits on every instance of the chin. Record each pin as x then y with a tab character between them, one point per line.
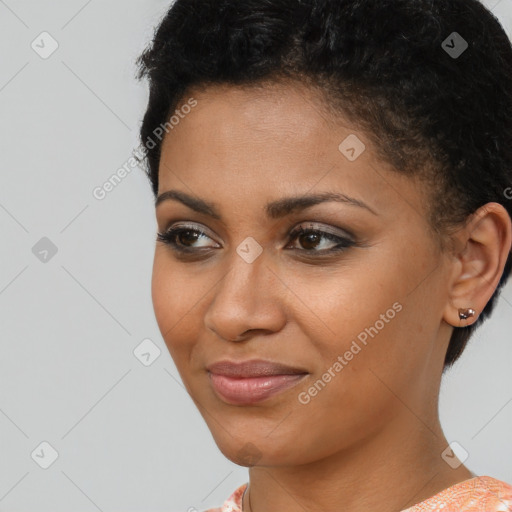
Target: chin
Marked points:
252	450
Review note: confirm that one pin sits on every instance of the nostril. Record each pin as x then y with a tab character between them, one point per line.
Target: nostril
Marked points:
248	333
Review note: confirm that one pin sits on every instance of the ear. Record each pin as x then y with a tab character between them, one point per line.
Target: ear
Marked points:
481	250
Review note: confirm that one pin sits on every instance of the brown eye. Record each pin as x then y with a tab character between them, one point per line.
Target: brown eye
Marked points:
187	236
310	240
183	238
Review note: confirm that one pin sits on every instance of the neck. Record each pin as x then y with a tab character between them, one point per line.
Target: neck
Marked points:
393	470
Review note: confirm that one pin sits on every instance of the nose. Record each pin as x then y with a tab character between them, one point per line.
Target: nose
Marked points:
247	301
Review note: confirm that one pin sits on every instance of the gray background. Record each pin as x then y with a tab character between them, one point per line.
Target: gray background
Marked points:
128	436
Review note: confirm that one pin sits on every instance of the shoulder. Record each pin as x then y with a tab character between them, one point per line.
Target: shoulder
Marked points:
473	495
233	502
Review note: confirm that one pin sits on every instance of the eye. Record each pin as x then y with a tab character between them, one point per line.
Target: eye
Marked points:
182	238
311	240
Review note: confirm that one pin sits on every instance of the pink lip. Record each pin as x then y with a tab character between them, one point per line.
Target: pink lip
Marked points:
249	390
252	368
248	382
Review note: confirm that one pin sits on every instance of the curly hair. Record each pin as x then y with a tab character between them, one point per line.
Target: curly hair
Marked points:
428	81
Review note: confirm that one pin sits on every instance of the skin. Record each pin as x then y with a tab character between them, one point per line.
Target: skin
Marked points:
371	438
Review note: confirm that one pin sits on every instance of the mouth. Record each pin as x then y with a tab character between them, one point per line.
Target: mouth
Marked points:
249	382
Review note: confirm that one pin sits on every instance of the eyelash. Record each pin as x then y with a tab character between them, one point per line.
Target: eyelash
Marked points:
169	238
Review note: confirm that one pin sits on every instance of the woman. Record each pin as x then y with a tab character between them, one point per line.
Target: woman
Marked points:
333	183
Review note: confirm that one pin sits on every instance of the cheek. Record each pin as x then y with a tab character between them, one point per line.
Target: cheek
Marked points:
353	393
353	301
173	303
162	294
363	325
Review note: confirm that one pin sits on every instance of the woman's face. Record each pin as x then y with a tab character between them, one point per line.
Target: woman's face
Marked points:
364	323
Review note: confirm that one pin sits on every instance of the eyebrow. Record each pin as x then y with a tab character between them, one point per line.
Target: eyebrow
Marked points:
274	210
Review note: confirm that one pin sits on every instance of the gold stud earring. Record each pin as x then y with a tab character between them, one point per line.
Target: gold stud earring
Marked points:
466	313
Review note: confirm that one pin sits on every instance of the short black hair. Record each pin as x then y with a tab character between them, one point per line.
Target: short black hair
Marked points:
429	81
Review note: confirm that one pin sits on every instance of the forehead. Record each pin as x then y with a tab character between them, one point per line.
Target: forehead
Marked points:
270	141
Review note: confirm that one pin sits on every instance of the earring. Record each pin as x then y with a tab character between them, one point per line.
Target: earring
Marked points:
466	313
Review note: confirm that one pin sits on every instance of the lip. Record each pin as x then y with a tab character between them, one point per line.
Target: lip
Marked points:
252	368
249	382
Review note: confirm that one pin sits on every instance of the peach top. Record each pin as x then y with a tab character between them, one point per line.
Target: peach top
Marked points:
479	494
